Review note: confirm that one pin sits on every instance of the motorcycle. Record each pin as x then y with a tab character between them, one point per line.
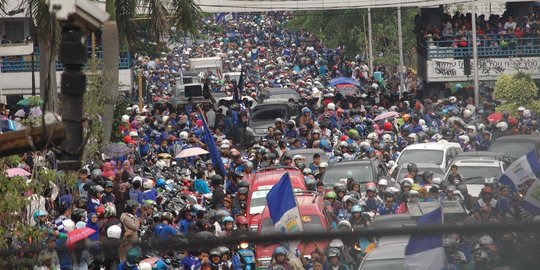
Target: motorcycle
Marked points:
246	254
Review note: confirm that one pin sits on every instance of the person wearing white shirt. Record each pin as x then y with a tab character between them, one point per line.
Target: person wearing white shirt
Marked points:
510	24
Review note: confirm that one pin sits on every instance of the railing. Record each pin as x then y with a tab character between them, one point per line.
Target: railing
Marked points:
11	64
488	46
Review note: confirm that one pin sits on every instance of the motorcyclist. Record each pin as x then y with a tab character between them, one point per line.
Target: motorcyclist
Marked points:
279	259
108	196
334	260
372	200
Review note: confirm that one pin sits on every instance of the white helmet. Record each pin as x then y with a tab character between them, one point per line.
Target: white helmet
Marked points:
297	157
125	118
307	171
485	240
387	138
114	232
69	225
323	165
165	118
464	138
383	182
331	106
184	135
467	113
161	164
425	128
437	137
372	136
521	109
407	181
503	126
136	178
471	127
336	243
527	113
452	99
412	136
133	133
421	122
365	144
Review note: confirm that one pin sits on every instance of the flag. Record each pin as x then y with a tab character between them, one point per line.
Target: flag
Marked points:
237	93
531	203
426	251
283	208
212	148
524	168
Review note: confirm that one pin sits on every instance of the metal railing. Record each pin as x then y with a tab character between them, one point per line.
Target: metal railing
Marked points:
488	46
11	64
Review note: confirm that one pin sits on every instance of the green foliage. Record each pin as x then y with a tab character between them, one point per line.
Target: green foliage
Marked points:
349	28
519	89
119	110
94	107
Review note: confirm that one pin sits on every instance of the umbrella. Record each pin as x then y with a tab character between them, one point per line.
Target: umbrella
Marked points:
385	115
17	172
78	235
151	260
26	102
344	80
495	117
114	150
191	152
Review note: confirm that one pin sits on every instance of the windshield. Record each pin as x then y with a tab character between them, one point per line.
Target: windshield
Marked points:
514	149
476	175
282	96
269	114
258	201
389	264
311	223
361	173
437	172
421	156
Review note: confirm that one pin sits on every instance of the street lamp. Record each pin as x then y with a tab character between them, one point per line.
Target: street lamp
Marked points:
29	39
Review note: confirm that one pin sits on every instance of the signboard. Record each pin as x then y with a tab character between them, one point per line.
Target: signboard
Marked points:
445	70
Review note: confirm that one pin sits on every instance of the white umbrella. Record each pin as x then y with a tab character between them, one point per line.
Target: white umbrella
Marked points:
191	152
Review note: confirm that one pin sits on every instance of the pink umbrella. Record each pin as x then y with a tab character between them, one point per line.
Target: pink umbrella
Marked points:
17	172
385	115
191	152
78	235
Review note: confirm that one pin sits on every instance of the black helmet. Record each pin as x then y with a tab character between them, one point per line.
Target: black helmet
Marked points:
505	114
242	184
108	184
81	200
217	180
243	191
339	188
301	166
95	189
428	174
78	214
132	203
411	167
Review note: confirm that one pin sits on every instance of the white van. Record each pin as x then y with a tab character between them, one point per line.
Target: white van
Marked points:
439	153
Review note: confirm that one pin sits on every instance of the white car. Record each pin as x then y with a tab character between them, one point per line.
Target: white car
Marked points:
440	153
475	171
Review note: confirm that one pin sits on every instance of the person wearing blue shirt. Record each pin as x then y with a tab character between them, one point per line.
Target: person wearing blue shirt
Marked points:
135	192
165	232
190	261
185	223
388	207
200	185
149	192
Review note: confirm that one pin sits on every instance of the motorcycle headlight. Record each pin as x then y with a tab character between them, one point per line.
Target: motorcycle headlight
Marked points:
357	247
244	245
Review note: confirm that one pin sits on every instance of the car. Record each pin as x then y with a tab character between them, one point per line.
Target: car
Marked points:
398	172
475	171
262	182
315	218
362	171
515	145
393	221
278	95
439	153
388	257
219	98
390	240
307	153
484	155
264	115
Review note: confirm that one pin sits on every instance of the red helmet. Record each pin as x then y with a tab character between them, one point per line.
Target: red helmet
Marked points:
387	126
127	139
513	122
344	138
100	211
241	220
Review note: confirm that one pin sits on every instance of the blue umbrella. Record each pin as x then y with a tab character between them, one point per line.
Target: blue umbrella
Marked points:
344	80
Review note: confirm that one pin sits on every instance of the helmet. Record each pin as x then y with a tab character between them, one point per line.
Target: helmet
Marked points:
505	114
95	189
406	182
337	244
489	180
382	182
39	213
331	106
148	184
125	118
145	266
467	113
243	191
411	167
278	120
387	126
133	256
132	203
108	184
521	109
215	252
161	164
387	138
485	240
339	188
452	99
69	225
356	209
373	136
96	173
323	165
280	250
451	188
527	113
110	210
437	137
160	182
168	216
333	252
184	135
372	188
412	136
217	180
241	220
307	171
114	232
306	110
330	195
449	241
471	127
78	214
459	87
346	224
464	139
227	219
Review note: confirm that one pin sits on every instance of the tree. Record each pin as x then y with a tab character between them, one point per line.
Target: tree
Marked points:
185	16
515	91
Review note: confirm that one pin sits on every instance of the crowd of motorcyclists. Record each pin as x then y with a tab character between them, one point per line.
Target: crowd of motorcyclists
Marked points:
151	203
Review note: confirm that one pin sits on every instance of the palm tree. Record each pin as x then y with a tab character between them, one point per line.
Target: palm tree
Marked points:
185	16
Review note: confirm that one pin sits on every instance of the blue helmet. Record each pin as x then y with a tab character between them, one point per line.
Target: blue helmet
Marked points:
356	209
39	213
280	250
160	182
227	219
306	110
459	87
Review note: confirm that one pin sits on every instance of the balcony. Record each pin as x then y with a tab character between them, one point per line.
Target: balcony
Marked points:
16	49
489	46
23	63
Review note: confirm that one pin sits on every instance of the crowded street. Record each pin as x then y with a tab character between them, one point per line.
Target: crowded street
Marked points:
258	129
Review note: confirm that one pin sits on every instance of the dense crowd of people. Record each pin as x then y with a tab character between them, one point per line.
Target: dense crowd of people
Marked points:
148	196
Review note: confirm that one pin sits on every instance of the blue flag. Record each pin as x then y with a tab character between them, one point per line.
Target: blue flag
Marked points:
238	87
524	168
426	251
283	208
212	148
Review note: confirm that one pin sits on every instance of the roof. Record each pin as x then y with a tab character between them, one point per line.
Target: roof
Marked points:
396	251
272	176
217	6
351	162
514	138
478	163
281	91
304	151
431	146
481	154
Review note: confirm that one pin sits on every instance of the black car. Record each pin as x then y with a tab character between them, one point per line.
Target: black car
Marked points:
362	171
264	115
516	145
278	95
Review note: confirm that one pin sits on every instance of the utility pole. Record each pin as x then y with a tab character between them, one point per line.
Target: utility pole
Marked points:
475	56
400	45
32	61
139	77
370	44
